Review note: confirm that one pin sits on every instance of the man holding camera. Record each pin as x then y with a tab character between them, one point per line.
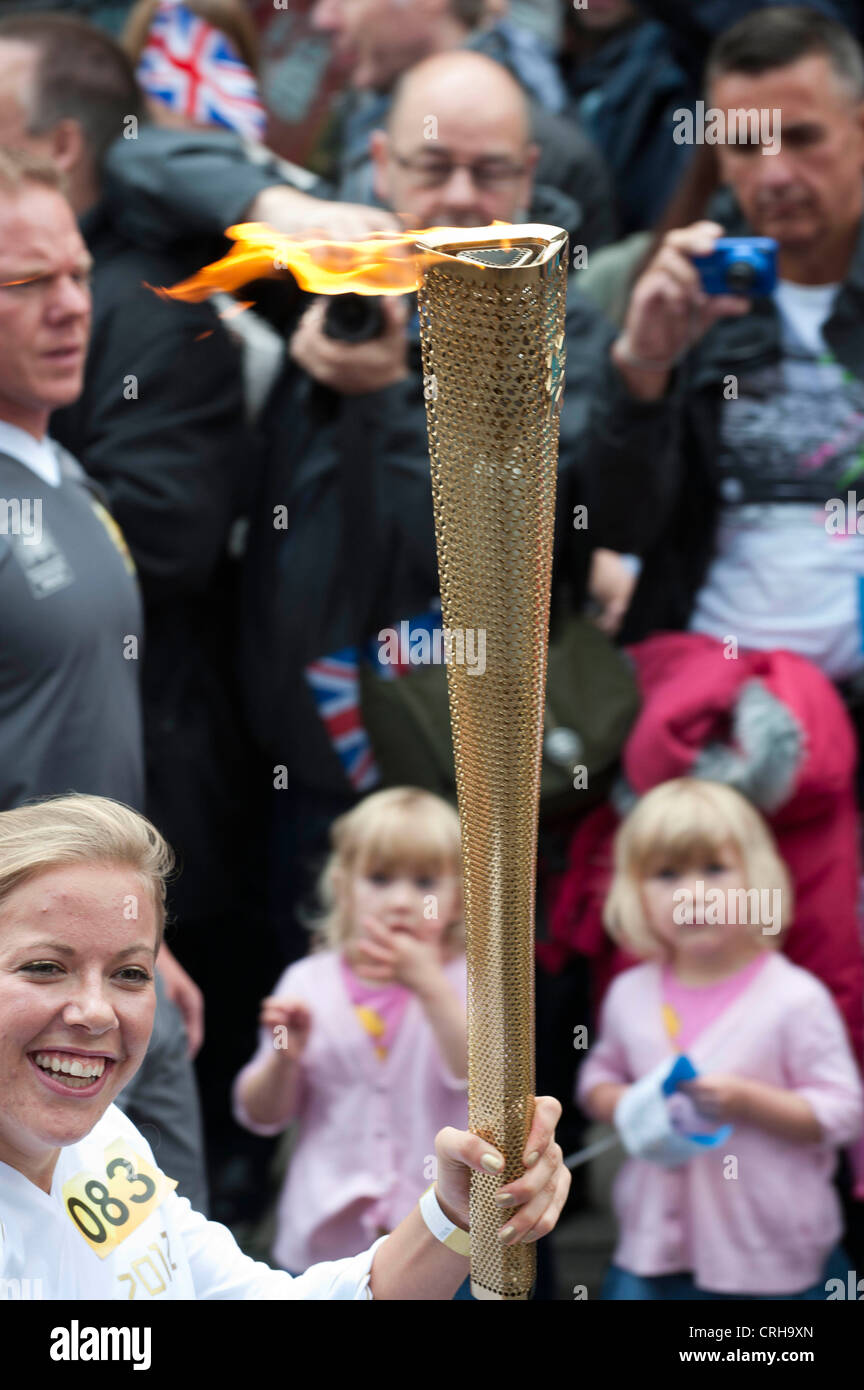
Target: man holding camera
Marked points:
762	398
347	455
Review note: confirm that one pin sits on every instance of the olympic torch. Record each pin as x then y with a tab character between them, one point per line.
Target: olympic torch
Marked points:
492	304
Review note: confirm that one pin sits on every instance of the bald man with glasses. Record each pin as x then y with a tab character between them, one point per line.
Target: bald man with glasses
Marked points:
383	41
359	551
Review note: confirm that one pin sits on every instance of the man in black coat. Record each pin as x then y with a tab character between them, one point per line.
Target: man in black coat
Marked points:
342	540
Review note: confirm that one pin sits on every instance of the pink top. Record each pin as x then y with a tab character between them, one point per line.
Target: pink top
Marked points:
690	1008
378	1007
366	1128
766	1223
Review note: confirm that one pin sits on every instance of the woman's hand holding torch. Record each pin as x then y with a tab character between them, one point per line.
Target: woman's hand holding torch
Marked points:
531	1205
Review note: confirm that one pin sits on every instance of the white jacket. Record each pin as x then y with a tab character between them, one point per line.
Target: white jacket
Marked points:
112	1227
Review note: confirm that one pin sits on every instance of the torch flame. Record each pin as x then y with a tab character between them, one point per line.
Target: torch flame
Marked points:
382	263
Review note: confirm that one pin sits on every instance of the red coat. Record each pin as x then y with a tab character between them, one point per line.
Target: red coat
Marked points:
798	749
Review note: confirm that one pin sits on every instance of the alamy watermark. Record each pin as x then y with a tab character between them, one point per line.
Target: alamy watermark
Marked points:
77	1343
22	516
844	516
20	1290
853	1289
446	646
717	907
738	126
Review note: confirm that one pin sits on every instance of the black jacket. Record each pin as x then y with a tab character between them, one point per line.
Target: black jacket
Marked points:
693	25
626	97
160	425
675	566
182	188
359	551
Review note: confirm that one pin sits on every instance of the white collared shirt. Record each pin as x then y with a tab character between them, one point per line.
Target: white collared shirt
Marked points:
39	455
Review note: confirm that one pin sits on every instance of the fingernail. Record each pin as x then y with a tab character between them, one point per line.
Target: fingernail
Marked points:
532	1158
506	1232
492	1163
505	1199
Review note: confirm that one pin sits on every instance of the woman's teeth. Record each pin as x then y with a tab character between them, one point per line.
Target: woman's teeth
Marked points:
72	1071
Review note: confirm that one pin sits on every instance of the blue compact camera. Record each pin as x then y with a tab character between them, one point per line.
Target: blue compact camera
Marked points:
739	265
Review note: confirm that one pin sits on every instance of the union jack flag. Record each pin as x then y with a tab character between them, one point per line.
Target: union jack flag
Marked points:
196	70
390	666
335	684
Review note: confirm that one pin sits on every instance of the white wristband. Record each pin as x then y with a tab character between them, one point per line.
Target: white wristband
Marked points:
441	1226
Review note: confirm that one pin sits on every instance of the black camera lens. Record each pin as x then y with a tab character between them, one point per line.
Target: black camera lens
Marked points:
740	277
354	318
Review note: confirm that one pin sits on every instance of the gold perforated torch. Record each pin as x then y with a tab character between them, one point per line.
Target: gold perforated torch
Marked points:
492	324
492	303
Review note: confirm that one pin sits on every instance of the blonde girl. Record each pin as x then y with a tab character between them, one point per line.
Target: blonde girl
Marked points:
363	1043
700	892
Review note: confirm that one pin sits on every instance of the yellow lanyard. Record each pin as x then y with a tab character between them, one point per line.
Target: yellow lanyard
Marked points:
672	1024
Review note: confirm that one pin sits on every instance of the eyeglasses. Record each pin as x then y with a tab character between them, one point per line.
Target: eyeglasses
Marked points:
485	173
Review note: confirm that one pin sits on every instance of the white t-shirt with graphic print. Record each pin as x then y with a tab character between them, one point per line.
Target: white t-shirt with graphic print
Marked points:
779	577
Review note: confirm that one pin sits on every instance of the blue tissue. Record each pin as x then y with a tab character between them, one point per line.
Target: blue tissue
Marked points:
684	1070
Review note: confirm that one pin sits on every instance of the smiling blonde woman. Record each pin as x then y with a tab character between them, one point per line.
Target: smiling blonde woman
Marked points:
84	1208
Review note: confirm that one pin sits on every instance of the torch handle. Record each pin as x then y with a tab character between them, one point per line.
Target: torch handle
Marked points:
495	584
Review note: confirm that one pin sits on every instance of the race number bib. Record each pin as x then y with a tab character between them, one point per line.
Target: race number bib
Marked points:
107	1207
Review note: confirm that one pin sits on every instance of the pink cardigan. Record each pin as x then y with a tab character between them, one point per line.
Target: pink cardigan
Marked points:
366	1128
765	1223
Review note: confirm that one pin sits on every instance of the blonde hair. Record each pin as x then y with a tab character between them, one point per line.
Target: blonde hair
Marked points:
678	825
45	835
401	827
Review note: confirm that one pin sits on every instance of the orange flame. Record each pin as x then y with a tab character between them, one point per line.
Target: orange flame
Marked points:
382	263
